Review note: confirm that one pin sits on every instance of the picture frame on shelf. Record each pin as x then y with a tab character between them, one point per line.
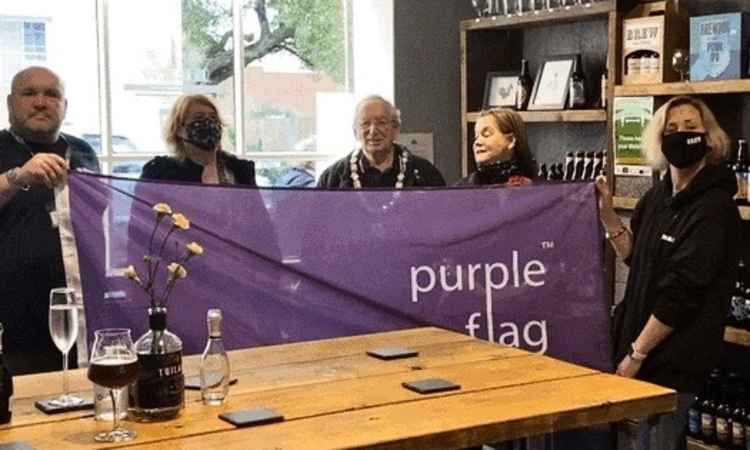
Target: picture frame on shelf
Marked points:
500	89
552	82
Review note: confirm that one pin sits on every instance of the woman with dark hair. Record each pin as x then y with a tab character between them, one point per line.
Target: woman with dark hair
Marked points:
682	252
501	150
193	134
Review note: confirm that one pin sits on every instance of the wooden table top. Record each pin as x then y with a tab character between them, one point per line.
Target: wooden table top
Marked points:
333	395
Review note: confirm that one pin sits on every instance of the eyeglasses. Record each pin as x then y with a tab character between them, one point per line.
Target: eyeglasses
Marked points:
380	124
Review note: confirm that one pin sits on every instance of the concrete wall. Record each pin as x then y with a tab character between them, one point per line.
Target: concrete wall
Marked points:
427	74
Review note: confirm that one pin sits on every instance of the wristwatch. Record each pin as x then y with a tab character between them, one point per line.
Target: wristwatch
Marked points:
635	355
12	177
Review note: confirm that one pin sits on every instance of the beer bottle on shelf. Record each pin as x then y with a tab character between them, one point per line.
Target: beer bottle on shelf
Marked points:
694	417
724	411
543	173
738	418
523	87
598	164
569	166
577	89
708	408
6	385
740	169
578	163
588	166
737	312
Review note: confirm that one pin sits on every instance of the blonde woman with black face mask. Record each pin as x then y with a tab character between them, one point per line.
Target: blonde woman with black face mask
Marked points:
683	253
193	133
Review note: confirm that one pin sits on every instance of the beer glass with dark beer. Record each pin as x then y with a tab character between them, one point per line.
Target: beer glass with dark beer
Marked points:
114	365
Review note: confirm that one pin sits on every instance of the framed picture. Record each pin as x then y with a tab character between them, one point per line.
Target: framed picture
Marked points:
500	90
552	83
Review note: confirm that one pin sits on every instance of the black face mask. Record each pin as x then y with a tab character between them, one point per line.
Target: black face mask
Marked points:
684	149
203	133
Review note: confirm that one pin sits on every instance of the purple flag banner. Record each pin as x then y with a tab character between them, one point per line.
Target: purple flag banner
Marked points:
519	266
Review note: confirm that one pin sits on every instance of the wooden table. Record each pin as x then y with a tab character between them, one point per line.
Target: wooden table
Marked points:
335	396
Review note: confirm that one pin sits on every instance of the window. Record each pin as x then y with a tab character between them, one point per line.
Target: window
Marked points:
294	98
24	42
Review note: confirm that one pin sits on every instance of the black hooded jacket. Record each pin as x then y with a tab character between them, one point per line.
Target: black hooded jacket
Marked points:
682	270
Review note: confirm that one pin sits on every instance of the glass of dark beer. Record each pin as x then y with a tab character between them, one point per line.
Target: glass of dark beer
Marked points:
114	365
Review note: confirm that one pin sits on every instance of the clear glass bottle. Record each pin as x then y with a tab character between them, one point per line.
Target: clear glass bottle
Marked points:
6	385
159	392
215	369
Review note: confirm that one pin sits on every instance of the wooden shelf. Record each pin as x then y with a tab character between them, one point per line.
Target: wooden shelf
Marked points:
684	88
693	444
566	115
737	336
575	13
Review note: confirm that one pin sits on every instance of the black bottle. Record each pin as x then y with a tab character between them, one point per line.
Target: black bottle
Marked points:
694	417
724	411
578	165
588	166
737	311
598	164
543	173
738	417
523	87
569	166
740	168
708	408
6	385
577	90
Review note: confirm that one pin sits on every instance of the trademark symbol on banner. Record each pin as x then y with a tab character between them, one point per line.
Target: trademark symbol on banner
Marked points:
548	245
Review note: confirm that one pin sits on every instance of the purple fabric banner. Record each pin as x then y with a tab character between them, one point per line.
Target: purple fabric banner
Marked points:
519	266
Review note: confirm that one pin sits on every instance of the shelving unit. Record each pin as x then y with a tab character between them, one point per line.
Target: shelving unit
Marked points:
498	43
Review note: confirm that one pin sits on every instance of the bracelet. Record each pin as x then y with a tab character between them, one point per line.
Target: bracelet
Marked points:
616	234
635	355
12	177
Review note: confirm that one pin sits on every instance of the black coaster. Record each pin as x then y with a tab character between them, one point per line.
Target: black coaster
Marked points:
48	407
392	353
431	385
250	417
15	446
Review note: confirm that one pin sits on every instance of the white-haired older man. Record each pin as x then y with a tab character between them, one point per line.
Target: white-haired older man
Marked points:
379	162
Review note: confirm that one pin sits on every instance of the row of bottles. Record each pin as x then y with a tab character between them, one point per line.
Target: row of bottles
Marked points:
721	414
739	308
643	62
577	97
577	167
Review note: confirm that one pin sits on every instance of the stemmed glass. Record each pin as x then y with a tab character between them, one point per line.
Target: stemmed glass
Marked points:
63	327
114	365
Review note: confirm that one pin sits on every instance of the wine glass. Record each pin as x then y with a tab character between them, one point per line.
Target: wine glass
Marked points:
114	365
63	327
